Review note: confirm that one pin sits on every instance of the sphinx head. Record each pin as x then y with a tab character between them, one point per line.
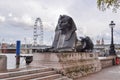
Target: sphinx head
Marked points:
66	24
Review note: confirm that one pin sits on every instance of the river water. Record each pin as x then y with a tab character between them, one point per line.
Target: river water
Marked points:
11	61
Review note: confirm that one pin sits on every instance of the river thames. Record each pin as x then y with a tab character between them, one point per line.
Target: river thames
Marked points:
11	61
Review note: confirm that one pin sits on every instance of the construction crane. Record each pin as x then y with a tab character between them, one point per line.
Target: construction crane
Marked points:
38	32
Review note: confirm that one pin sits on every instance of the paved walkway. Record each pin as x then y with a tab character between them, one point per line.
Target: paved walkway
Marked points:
111	73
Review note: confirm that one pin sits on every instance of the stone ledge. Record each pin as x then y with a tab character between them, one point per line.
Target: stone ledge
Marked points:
3	63
107	61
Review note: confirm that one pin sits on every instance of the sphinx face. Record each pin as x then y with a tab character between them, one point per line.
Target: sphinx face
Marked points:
65	24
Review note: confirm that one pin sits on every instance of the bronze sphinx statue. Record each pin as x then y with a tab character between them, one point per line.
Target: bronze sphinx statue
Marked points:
65	35
65	38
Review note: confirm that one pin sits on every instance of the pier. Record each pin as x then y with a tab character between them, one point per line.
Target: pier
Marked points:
25	48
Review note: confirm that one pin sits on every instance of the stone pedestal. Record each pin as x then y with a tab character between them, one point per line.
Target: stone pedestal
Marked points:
73	65
3	63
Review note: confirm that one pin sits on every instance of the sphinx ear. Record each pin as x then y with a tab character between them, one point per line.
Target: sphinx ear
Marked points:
60	15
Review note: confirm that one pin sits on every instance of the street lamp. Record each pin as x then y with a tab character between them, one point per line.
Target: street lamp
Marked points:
112	48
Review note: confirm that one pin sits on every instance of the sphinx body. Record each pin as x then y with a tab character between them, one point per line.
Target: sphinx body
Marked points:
85	44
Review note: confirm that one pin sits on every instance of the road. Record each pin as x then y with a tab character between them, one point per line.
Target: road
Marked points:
111	73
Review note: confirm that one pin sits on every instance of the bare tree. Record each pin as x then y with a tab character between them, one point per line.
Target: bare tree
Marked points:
108	4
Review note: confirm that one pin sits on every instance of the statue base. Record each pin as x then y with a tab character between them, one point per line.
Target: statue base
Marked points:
73	64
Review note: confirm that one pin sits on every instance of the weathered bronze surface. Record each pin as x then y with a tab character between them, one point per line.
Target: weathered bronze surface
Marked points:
85	44
65	35
65	38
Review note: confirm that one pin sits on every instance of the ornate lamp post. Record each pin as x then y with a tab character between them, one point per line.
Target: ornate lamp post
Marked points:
112	48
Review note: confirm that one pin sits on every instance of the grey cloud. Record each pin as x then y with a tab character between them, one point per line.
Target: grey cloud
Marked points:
2	19
84	13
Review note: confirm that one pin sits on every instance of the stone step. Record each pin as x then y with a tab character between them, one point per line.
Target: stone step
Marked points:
50	77
23	72
63	78
31	76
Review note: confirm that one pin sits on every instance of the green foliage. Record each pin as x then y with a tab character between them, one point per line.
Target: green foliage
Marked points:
108	4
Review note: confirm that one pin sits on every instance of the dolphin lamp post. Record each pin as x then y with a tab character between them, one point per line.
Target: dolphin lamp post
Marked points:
112	48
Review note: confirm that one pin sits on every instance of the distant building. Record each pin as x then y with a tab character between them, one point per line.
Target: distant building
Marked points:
106	47
102	41
4	47
97	42
25	48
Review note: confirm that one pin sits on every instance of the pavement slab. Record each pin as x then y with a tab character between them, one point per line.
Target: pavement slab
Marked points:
111	73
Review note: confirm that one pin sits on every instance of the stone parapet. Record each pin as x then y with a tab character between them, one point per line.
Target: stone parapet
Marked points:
3	63
108	61
73	65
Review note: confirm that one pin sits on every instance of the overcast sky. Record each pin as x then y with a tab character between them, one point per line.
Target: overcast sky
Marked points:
17	18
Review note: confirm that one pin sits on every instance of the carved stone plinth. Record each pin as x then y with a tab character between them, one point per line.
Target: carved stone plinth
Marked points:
72	64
